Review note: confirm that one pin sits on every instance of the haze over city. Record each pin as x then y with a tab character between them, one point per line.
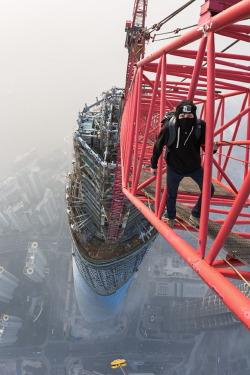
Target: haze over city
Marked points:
57	56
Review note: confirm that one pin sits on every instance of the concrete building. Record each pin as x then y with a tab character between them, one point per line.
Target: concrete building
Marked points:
17	217
32	182
46	210
202	314
75	367
3	222
10	191
34	273
182	288
36	183
34	249
9	327
8	284
35	263
175	279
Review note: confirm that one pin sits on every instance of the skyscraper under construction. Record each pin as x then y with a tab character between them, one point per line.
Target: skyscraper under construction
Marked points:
110	236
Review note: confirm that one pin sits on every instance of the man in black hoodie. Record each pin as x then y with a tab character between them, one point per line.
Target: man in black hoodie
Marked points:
182	156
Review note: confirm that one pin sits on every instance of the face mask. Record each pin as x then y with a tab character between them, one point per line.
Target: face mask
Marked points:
186	123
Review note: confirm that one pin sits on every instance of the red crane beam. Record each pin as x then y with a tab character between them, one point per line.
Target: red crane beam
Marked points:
136	45
155	89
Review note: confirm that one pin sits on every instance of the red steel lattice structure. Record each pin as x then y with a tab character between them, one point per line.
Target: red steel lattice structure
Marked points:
136	47
135	42
117	202
215	81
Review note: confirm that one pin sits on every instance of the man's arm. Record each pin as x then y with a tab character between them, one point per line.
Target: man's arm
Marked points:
160	142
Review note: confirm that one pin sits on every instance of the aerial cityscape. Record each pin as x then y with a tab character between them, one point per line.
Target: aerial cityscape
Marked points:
42	328
96	277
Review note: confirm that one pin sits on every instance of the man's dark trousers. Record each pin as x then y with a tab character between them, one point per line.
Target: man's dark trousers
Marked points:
173	180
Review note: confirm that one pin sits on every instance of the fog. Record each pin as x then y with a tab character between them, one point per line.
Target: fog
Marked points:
57	56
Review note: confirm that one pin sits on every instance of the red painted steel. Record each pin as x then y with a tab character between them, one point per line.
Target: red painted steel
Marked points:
219	84
115	217
234	275
230	220
232	262
135	40
238	303
248	138
136	45
206	191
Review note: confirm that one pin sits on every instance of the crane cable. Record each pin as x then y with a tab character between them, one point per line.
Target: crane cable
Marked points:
158	25
176	31
233	144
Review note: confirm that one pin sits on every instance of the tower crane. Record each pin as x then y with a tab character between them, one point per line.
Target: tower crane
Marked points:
135	39
191	67
135	43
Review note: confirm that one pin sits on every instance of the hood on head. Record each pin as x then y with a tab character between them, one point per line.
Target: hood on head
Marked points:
185	106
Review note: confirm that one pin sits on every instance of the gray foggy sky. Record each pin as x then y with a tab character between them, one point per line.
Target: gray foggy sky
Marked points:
58	55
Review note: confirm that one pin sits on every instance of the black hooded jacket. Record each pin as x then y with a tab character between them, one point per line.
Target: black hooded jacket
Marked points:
184	154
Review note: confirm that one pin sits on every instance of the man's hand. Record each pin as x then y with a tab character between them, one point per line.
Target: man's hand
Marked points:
215	146
153	171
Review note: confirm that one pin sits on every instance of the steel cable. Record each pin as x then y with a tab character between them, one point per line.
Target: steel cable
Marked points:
158	25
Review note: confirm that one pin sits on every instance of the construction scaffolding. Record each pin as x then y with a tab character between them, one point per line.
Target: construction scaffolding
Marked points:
110	236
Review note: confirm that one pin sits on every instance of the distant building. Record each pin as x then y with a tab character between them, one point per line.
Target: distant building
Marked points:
17	217
10	191
184	289
27	159
176	279
76	368
9	327
34	273
35	183
8	284
46	210
3	222
172	265
8	366
31	180
35	263
201	314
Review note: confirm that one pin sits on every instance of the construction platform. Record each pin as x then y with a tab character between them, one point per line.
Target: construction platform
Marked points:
187	185
235	245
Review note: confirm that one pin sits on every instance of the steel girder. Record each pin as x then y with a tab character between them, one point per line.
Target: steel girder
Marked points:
215	81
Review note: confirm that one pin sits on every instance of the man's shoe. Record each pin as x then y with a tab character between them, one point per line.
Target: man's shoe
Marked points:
195	221
170	223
